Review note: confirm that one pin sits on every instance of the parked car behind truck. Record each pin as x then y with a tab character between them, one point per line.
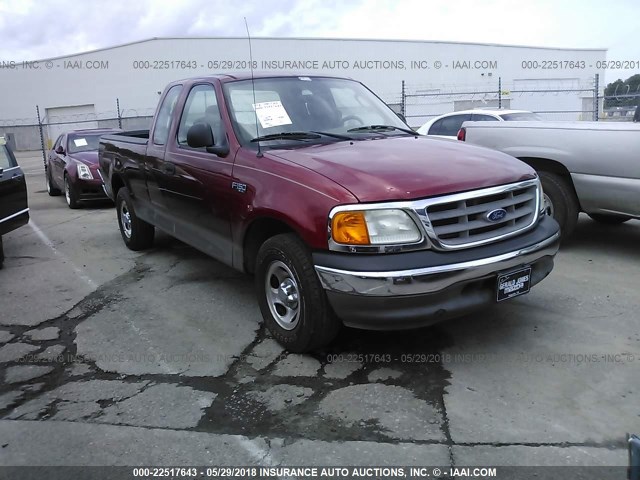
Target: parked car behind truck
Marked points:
72	166
342	213
589	167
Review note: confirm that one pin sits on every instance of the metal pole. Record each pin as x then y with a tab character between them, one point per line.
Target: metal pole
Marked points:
44	154
499	92
596	87
119	117
403	101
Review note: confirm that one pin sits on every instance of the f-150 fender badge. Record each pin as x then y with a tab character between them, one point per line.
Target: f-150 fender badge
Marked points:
240	187
496	215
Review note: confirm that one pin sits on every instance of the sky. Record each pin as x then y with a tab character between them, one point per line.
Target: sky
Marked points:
35	29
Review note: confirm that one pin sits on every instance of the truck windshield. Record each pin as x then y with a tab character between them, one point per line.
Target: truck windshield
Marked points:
327	109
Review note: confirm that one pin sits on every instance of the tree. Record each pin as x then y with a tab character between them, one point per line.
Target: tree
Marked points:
623	93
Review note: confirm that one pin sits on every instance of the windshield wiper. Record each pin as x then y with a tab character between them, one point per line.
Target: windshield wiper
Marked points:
333	135
287	136
379	128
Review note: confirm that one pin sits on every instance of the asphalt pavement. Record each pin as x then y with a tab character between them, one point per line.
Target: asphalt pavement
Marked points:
112	357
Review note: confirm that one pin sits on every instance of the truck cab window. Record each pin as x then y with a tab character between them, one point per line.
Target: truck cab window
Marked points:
163	120
201	107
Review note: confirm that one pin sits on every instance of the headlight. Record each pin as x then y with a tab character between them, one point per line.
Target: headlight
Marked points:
84	173
374	227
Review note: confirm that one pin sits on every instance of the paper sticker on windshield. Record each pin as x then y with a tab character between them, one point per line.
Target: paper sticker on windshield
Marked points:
306	79
271	114
80	142
2	141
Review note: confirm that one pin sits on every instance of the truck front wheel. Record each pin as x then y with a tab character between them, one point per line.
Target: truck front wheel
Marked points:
292	301
561	202
136	233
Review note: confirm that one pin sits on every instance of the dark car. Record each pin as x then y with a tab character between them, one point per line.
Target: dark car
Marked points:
72	166
14	211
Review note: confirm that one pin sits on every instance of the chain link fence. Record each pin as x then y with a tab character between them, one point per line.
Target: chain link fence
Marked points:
552	99
41	131
559	99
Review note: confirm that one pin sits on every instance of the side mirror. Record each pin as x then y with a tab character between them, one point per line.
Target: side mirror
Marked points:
401	117
200	135
60	150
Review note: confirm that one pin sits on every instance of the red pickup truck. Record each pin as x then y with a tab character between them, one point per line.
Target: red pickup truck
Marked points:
343	214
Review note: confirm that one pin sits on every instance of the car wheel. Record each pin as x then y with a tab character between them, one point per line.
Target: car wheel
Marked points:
51	190
70	193
1	254
136	233
292	301
560	202
609	219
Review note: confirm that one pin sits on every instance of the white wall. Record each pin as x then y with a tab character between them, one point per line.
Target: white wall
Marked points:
55	83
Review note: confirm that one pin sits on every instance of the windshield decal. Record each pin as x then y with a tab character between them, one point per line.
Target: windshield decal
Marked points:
272	114
80	142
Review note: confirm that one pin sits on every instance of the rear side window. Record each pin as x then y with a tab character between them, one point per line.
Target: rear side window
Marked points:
163	120
5	159
450	125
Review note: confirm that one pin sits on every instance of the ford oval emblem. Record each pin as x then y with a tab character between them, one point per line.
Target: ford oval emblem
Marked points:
496	215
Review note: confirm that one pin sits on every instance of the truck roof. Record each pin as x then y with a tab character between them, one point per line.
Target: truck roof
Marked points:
235	76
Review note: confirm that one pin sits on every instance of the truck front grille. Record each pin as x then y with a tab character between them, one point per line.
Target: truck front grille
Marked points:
464	220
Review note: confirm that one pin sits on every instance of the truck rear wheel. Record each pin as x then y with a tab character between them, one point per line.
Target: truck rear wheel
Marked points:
562	203
136	233
609	219
292	301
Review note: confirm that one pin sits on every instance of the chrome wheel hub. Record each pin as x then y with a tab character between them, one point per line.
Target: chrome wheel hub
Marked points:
281	291
67	190
125	220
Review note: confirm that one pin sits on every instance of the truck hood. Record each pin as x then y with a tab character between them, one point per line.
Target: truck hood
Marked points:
406	168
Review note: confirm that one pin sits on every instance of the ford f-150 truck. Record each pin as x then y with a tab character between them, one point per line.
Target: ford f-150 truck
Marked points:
341	212
591	167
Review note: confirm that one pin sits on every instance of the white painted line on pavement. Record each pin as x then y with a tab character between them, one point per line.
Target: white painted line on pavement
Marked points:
50	244
262	456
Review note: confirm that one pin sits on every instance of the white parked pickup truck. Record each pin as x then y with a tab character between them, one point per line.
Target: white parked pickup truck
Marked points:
593	167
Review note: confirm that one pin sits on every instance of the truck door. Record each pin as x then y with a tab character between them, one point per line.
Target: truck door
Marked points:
197	185
13	192
156	169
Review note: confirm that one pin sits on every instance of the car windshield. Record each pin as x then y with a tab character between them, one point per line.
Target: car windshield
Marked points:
83	143
521	117
299	110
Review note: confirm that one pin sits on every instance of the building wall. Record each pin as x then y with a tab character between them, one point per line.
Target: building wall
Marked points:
135	73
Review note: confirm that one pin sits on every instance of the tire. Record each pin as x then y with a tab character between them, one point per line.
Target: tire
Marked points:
300	326
70	193
609	219
136	233
51	190
1	254
564	206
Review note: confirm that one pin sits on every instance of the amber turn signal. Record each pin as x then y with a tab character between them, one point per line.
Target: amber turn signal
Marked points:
350	228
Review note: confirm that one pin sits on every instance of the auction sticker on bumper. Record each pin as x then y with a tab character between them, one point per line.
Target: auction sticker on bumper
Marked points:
513	284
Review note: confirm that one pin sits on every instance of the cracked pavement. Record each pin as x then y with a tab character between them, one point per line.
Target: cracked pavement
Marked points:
112	357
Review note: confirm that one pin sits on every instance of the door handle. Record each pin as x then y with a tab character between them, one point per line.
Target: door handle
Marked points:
168	168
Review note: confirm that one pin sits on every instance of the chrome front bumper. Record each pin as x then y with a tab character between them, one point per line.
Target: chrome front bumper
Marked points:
429	280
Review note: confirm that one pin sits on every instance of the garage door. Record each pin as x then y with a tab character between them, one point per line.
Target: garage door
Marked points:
62	119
